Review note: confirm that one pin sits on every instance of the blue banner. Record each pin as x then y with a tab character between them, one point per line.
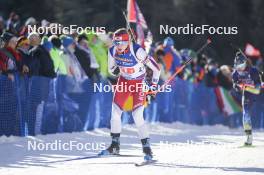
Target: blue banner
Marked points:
39	105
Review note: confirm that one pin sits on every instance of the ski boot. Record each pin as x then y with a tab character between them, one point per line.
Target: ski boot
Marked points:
249	138
146	149
114	148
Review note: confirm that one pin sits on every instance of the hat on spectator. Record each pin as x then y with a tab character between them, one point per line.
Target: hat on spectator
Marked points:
22	40
168	42
66	41
82	37
30	21
55	40
6	36
46	43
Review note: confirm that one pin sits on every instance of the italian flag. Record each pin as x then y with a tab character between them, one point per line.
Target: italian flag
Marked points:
227	104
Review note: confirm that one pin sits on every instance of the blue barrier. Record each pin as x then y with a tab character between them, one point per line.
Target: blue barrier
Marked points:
39	105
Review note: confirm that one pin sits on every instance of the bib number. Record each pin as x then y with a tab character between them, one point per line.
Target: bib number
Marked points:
128	70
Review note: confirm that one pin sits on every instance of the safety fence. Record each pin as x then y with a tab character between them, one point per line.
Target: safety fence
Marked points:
39	105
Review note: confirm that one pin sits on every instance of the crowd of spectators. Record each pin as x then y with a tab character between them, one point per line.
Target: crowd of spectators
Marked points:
85	55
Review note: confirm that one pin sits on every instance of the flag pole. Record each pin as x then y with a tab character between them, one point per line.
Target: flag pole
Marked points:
129	27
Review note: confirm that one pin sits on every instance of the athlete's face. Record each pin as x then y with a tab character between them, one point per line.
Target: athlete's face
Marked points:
121	46
241	67
121	42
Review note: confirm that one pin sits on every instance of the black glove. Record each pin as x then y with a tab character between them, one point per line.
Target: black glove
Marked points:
116	71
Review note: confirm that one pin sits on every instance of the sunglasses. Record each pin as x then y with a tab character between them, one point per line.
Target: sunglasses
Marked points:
241	66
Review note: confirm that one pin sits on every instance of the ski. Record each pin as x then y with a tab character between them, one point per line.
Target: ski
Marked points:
149	162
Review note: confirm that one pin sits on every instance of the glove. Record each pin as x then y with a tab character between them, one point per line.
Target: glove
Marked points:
151	94
116	71
236	87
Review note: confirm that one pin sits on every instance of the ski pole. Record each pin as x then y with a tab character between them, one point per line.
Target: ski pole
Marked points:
179	70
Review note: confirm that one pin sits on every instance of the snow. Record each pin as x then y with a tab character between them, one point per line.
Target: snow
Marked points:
181	149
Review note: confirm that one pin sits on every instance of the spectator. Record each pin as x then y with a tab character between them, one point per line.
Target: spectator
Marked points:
3	58
159	56
197	69
23	48
34	39
29	22
87	58
13	23
41	53
172	57
59	63
9	59
13	59
211	71
187	73
73	66
224	77
99	50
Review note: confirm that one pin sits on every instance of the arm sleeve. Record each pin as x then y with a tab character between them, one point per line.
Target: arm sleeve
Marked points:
112	67
235	81
234	78
256	77
149	61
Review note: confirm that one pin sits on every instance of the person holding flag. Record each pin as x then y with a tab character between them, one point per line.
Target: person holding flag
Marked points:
128	61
